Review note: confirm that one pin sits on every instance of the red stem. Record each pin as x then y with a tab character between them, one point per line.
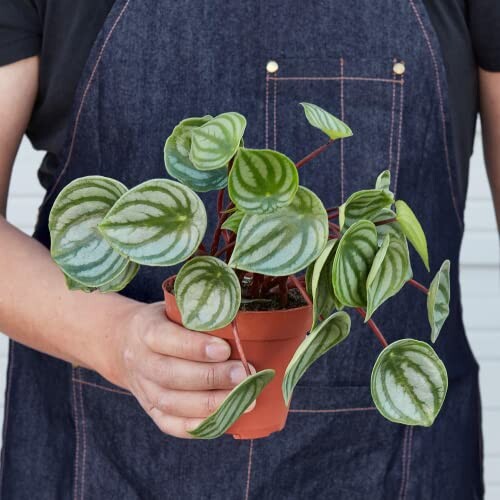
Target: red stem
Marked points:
301	289
333	215
418	286
332	209
283	287
239	347
315	153
224	249
375	329
387	221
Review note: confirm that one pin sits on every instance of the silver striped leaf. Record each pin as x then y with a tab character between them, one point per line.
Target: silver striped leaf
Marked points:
77	247
389	272
413	230
364	204
235	404
321	289
393	228
352	263
158	223
115	285
178	164
438	300
208	294
232	223
285	241
325	121
216	142
409	383
384	180
326	335
262	180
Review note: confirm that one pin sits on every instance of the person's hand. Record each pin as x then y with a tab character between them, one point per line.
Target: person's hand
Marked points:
178	376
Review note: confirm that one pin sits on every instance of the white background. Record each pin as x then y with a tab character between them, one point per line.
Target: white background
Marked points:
479	275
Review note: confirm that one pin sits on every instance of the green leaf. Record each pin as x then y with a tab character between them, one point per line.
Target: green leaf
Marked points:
384	180
262	180
208	294
77	247
216	142
232	223
324	300
285	241
409	383
413	230
158	223
326	335
326	122
178	164
352	263
364	204
237	401
438	300
115	285
389	272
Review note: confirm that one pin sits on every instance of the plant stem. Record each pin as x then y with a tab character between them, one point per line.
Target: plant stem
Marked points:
333	215
301	289
239	347
332	209
387	221
418	286
315	153
283	288
375	329
218	253
335	229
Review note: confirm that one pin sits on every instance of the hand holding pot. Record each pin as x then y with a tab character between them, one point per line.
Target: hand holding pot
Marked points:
178	376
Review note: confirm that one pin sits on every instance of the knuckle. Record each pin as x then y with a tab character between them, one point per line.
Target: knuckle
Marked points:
211	402
165	403
212	377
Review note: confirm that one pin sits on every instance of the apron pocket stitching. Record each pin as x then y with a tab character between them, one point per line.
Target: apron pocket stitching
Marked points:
249	470
101	387
84	442
400	134
334	410
76	418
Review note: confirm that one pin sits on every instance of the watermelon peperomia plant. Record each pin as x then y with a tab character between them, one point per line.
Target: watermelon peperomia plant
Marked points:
270	229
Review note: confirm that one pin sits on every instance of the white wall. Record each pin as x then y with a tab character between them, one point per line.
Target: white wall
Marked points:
480	287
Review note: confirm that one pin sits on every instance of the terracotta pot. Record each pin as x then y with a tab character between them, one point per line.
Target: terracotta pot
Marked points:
269	339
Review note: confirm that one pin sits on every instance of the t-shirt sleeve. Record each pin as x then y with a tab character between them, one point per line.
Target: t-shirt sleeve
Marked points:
20	30
484	21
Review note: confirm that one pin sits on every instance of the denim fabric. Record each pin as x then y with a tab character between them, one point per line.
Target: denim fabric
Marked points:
71	433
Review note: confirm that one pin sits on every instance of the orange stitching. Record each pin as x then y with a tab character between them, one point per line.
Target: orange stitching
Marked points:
102	387
338	410
275	113
329	78
84	440
266	129
77	439
441	109
341	140
393	108
249	470
82	102
7	405
400	132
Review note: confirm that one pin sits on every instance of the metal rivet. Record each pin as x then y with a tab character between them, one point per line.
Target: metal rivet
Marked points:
399	68
272	66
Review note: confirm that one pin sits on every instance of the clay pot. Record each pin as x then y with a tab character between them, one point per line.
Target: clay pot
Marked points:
269	340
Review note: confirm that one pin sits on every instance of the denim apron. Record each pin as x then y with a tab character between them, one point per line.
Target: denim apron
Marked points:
68	433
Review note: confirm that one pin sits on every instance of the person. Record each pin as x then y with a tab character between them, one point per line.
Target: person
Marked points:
101	385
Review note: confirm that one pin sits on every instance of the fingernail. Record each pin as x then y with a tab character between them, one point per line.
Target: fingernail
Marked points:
218	350
238	374
250	408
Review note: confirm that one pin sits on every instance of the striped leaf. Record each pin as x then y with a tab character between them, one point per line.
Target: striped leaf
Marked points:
438	300
389	272
364	204
76	245
384	180
178	164
393	228
115	285
320	286
216	142
409	383
352	263
158	223
326	335
326	122
413	230
237	401
285	241
262	180
232	223
208	294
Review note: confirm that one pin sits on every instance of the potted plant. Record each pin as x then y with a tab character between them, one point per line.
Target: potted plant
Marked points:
246	287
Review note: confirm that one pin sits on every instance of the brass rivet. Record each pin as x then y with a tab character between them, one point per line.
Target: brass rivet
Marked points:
399	68
272	66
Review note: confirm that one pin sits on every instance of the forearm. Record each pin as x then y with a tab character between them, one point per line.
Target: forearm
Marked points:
36	308
490	118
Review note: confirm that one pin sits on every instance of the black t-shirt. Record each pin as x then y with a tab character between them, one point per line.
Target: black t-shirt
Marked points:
62	33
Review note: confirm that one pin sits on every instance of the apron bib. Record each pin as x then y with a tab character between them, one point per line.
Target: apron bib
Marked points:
69	433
